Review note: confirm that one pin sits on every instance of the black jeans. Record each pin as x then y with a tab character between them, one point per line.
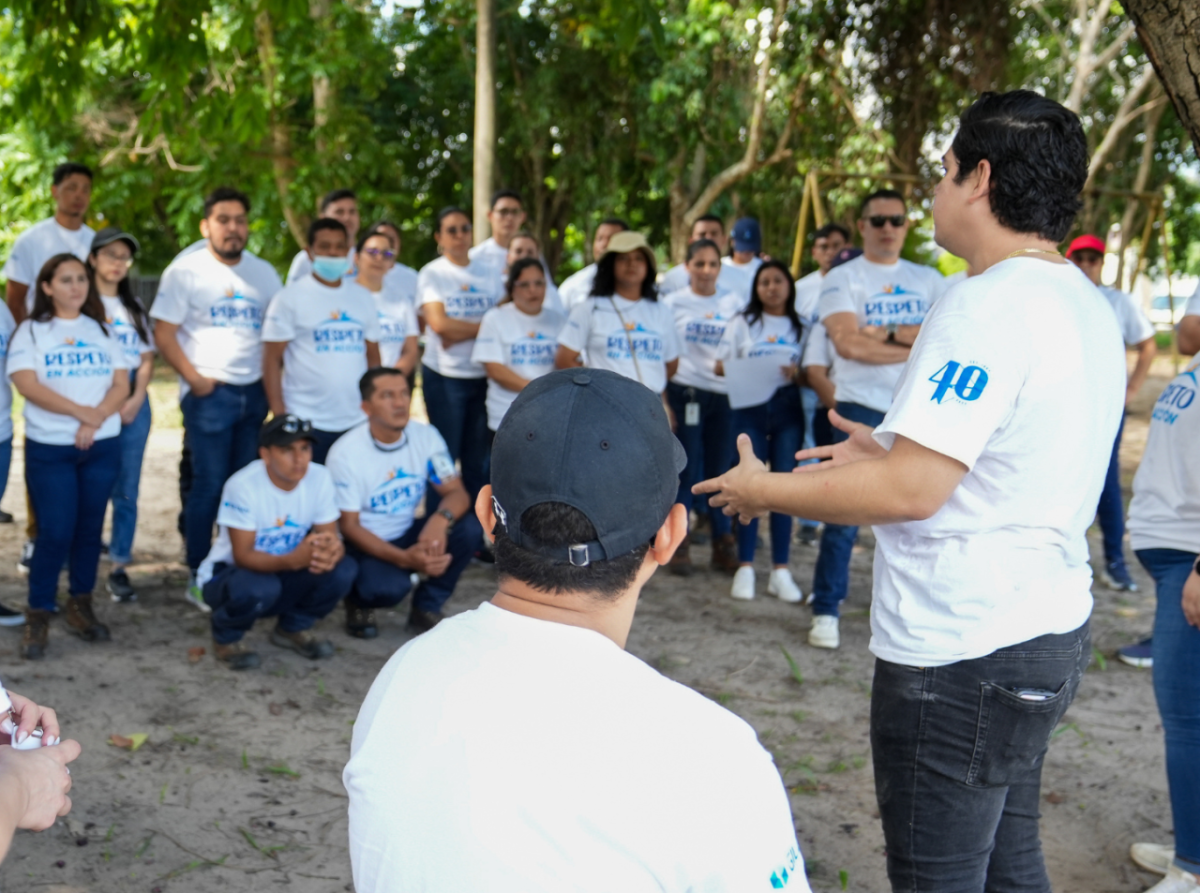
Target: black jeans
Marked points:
958	764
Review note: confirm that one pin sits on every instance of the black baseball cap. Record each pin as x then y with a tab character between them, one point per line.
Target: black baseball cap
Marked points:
111	234
845	256
596	441
284	430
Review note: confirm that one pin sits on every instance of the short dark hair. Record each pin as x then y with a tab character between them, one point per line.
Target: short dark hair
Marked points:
366	384
555	524
699	245
322	223
379	225
881	193
829	229
336	195
614	221
709	218
225	194
376	230
449	211
605	282
1038	155
506	193
66	169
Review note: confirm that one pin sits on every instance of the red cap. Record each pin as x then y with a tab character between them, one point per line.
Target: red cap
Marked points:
1082	243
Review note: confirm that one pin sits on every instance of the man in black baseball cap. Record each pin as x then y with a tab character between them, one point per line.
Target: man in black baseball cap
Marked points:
519	746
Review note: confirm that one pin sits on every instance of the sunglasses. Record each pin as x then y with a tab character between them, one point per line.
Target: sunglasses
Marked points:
878	220
296	425
455	230
385	253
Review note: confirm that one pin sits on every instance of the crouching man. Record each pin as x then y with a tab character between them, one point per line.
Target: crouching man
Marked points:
382	470
278	552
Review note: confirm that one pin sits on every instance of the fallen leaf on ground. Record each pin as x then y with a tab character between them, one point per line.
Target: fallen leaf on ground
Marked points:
130	743
194	654
1055	797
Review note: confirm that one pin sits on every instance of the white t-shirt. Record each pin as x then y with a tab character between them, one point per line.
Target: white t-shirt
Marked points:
397	321
37	245
489	254
1135	325
577	288
700	324
403	279
72	357
747	269
766	336
495	258
1193	304
525	344
327	331
595	329
609	776
1019	374
1165	510
219	310
7	326
385	482
817	348
878	295
731	278
466	293
280	519
808	297
125	332
302	266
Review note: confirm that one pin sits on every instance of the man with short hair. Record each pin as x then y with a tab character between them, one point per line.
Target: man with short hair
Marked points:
321	333
342	206
518	746
382	470
278	553
208	326
64	233
872	308
577	287
507	216
730	278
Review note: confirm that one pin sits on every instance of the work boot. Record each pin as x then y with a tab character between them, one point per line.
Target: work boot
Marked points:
236	655
37	634
423	621
681	562
724	553
302	642
360	622
82	621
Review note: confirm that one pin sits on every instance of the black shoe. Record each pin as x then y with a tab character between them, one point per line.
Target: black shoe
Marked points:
119	586
5	518
9	617
303	643
423	621
360	622
483	556
807	536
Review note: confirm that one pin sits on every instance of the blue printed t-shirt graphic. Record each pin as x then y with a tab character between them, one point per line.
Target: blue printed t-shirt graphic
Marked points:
706	331
236	311
535	350
959	383
392	330
76	358
341	333
125	334
774	344
469	303
648	344
280	539
399	494
781	875
1177	398
895	304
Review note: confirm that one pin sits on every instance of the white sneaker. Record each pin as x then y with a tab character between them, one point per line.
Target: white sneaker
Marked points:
1177	881
824	632
194	596
743	584
783	587
1152	856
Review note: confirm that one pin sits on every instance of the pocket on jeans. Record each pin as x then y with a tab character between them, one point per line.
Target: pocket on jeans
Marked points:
1012	734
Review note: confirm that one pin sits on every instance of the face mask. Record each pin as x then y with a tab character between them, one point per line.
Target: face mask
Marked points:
331	269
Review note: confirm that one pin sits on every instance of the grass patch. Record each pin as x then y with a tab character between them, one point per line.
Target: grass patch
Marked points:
793	666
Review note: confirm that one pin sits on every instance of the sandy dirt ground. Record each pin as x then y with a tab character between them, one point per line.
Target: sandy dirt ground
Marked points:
238	786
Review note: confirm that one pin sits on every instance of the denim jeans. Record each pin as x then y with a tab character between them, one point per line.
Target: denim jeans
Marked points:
709	445
457	407
381	584
958	764
1112	507
809	403
776	429
222	434
1177	690
322	441
69	488
125	491
831	578
822	430
5	464
239	596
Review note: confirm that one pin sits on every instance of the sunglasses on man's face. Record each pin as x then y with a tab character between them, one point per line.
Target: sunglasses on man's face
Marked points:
296	425
385	253
878	220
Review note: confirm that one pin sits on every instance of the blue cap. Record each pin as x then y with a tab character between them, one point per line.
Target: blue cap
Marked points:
747	235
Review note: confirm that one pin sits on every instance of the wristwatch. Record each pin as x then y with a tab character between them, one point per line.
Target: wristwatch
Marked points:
448	515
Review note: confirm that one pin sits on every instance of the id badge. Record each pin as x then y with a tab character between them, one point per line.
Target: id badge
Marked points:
691	414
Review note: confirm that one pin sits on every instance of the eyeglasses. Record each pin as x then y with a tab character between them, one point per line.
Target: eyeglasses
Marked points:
896	220
530	283
295	425
126	259
507	212
385	253
455	230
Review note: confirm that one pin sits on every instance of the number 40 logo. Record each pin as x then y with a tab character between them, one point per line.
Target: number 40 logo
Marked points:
968	382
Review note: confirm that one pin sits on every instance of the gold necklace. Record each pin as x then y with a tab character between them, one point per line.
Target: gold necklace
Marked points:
1033	251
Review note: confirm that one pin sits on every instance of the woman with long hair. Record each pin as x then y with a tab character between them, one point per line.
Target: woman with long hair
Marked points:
111	257
769	326
74	377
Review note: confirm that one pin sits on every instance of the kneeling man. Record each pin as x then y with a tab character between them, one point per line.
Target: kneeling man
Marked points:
278	552
382	469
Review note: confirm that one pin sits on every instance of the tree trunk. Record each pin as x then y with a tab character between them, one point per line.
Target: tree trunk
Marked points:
1170	33
485	115
322	92
1141	181
281	139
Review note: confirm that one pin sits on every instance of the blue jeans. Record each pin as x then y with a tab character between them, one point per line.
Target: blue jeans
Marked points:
239	596
5	464
709	445
69	489
831	578
1177	690
776	429
809	403
958	764
125	491
222	433
1112	506
381	584
457	407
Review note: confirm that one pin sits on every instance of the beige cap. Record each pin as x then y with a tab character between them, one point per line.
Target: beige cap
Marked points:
624	242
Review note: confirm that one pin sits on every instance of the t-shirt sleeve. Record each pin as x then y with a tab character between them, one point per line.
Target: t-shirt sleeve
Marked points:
120	359
439	466
345	482
21	355
574	335
960	384
671	346
301	267
835	295
733	338
488	348
1193	304
816	351
171	302
279	323
325	508
17	267
236	509
1135	326
427	290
